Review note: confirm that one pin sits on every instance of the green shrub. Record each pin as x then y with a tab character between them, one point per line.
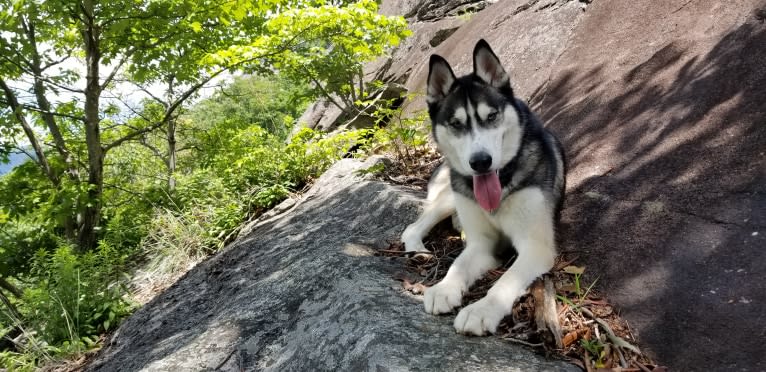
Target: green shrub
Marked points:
403	136
20	237
75	298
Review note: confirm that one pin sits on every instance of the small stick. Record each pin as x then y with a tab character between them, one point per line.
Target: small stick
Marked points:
225	360
562	264
642	366
393	251
425	255
546	316
516	340
613	337
623	362
630	331
588	367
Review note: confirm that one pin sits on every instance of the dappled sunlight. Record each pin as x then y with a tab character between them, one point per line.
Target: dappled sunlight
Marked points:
651	275
218	338
358	250
666	179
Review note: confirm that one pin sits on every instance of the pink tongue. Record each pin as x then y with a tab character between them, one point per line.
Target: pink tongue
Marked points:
487	190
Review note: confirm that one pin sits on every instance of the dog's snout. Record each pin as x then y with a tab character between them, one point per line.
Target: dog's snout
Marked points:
480	162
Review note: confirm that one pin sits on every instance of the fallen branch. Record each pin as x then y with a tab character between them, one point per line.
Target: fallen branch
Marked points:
618	341
546	316
588	362
516	340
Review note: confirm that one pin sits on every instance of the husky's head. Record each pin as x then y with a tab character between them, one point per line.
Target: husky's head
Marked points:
475	121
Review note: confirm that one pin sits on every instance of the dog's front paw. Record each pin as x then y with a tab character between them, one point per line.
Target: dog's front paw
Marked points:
480	318
443	297
414	245
412	242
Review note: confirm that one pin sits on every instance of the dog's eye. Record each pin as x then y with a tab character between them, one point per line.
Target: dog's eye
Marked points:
492	116
454	123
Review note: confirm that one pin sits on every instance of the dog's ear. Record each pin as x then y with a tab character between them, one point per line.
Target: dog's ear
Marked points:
487	66
440	78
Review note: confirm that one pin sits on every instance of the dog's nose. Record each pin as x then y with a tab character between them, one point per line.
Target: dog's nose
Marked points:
480	162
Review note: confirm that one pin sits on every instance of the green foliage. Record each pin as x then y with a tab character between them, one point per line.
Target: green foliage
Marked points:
234	158
405	136
24	361
19	239
324	44
75	297
597	349
580	293
372	170
270	103
255	171
176	240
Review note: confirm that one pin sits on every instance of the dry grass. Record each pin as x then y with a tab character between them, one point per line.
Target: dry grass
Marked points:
413	171
175	244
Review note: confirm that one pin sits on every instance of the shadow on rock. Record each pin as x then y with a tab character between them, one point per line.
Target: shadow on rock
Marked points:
667	193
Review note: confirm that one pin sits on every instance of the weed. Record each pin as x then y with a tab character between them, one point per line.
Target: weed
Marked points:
596	349
405	136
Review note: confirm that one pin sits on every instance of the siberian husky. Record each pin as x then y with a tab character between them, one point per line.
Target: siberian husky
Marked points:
504	176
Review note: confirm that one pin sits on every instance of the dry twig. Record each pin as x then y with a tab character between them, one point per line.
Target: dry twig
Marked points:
618	341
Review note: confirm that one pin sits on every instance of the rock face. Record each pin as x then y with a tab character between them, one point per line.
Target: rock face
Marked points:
660	106
431	22
302	291
662	117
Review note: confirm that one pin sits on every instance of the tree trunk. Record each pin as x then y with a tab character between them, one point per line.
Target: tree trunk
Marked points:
58	139
13	312
91	213
42	160
46	113
171	134
5	284
171	154
42	101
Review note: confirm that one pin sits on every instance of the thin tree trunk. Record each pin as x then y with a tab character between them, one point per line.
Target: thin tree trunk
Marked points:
42	160
91	214
35	67
327	94
5	284
42	101
360	73
14	312
69	223
171	154
171	134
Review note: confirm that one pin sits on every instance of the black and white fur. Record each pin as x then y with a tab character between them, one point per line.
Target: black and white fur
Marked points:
477	117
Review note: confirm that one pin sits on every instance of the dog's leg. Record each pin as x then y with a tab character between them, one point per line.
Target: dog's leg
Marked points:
528	219
471	264
439	205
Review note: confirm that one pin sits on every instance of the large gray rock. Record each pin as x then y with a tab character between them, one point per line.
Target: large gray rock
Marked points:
395	68
315	113
660	106
302	291
413	51
419	10
527	35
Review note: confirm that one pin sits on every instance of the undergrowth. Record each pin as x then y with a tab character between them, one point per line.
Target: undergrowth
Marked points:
212	205
71	299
